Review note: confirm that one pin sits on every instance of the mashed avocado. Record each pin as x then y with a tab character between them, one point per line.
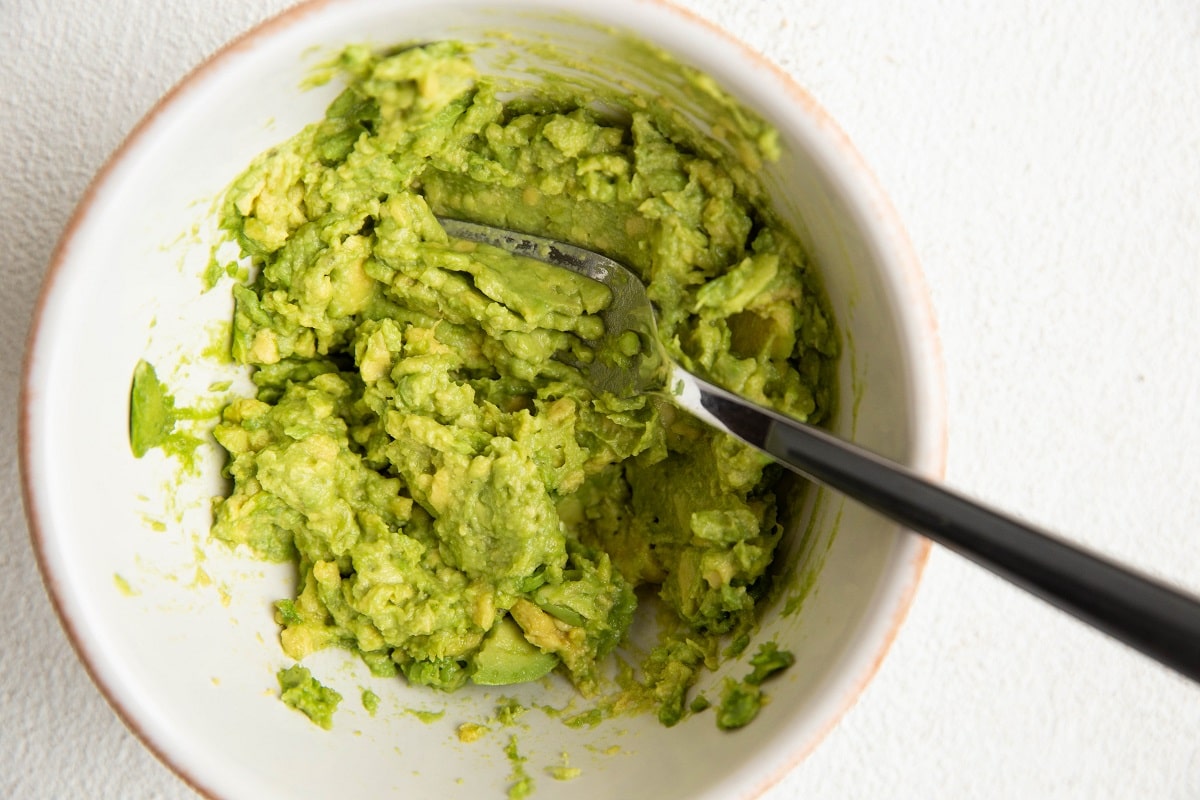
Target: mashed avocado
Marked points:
460	505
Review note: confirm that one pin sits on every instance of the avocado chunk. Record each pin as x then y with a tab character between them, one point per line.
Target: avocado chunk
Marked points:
507	657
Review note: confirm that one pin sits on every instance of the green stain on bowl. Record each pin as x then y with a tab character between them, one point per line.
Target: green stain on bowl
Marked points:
151	410
154	523
155	417
123	586
805	564
220	342
520	781
563	771
509	711
212	273
586	719
425	716
201	579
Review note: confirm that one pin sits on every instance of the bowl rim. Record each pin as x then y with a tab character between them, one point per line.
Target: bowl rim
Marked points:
885	225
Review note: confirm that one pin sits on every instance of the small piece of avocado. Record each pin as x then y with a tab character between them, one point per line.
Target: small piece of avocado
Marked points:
300	690
151	410
506	656
740	703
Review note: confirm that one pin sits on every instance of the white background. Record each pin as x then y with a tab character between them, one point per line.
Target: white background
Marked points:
1046	161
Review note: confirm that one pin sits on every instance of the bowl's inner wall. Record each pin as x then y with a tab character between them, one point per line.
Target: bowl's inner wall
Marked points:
189	656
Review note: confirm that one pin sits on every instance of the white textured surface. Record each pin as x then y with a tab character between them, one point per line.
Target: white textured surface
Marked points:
1046	161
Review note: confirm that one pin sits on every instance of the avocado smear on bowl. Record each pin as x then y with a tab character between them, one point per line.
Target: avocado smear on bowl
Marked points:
460	505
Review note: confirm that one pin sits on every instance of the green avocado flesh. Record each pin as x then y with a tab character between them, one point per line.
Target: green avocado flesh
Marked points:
422	444
151	411
300	690
506	656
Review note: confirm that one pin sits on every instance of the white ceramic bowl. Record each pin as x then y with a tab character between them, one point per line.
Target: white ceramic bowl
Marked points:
177	633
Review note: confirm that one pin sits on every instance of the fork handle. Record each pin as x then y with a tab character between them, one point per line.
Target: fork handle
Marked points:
1156	619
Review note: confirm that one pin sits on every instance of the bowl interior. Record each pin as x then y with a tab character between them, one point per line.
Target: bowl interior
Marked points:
178	632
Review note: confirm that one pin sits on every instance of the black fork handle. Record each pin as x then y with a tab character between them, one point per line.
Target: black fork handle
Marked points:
1150	616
